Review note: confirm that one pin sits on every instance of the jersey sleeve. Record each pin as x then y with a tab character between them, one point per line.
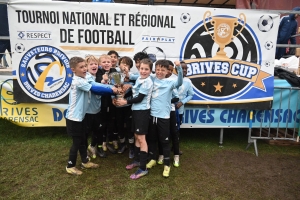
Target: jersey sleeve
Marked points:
190	94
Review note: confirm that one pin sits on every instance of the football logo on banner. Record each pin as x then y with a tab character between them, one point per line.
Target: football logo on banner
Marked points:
45	74
224	59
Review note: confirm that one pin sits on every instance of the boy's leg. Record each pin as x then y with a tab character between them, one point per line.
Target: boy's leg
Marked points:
112	130
174	133
103	127
152	142
120	118
163	131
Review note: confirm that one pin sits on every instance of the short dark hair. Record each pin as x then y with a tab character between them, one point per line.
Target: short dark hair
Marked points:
113	52
148	62
170	63
126	60
140	56
75	60
182	62
162	63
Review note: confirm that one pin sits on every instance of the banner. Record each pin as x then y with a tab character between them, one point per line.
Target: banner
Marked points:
285	111
230	53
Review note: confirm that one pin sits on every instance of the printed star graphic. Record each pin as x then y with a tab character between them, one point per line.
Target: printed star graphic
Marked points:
218	87
22	74
234	85
203	84
70	75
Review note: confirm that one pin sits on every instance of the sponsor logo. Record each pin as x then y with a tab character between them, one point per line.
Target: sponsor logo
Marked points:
158	39
34	35
44	73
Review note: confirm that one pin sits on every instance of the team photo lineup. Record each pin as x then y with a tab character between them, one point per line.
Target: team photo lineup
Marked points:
139	111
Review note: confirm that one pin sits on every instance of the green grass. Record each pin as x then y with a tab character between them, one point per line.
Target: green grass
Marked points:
33	164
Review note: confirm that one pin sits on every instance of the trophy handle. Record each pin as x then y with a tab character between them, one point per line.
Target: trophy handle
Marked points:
208	14
242	17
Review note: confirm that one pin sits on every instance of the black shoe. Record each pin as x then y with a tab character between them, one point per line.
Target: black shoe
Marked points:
101	153
111	148
180	152
122	148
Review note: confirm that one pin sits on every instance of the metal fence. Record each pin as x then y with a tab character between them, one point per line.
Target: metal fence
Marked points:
268	132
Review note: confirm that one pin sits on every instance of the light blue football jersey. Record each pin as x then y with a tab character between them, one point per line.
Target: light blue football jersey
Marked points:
78	98
185	92
94	100
162	95
143	86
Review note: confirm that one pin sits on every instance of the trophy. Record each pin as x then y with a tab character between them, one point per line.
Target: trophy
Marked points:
223	30
117	79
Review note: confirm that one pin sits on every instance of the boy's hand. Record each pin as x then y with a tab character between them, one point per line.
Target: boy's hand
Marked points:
105	77
177	63
179	104
125	87
114	102
115	90
121	102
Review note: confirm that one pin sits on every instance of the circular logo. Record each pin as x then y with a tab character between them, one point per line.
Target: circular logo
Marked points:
45	74
198	44
223	30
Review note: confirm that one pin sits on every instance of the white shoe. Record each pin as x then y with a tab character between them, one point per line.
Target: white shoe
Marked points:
160	160
176	161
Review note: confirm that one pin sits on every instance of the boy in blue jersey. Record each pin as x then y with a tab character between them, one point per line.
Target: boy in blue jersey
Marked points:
141	93
185	91
93	113
159	127
138	57
123	113
75	115
108	110
174	133
114	59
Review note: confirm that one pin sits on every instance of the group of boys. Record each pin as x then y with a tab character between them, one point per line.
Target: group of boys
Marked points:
93	97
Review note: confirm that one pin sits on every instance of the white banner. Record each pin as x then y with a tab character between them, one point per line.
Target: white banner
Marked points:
230	53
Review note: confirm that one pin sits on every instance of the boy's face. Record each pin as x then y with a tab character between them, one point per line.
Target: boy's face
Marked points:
184	69
144	70
105	63
124	67
92	67
114	60
137	64
80	69
170	71
160	71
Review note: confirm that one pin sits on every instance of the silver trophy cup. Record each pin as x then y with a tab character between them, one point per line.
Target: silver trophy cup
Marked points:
117	79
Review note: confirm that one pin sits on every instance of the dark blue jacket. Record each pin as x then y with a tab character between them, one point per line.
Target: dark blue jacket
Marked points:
287	27
3	20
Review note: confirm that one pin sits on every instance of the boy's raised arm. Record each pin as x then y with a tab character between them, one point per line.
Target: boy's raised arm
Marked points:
180	76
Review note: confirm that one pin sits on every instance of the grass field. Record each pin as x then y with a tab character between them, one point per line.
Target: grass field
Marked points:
33	164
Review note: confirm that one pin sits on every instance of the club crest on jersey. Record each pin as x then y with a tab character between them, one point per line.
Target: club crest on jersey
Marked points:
44	73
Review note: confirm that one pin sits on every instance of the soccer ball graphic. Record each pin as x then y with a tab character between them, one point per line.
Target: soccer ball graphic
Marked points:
185	17
154	53
269	45
265	23
19	47
267	63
